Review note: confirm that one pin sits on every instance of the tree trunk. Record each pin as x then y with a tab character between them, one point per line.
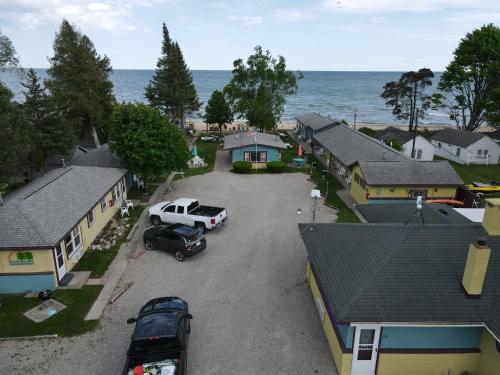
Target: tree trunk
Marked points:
95	137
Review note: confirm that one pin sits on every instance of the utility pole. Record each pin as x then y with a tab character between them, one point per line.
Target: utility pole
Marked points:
355	116
414	135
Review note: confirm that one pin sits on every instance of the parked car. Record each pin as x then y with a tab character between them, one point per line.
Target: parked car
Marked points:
160	338
178	239
211	138
189	212
288	146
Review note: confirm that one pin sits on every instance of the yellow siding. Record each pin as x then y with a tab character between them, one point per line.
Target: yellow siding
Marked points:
43	261
90	234
489	361
404	191
342	361
427	364
357	192
491	220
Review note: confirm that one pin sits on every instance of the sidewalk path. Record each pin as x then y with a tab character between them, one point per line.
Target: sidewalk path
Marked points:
120	263
222	161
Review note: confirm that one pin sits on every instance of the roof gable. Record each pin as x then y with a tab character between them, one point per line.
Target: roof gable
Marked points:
391	133
238	140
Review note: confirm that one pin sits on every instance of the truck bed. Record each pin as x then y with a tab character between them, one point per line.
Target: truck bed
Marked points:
206	211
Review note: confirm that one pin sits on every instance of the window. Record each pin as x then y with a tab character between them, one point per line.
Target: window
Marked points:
416	193
485	152
419	154
479	152
90	217
439	144
482	153
104	203
458	151
114	196
359	180
122	184
180	209
256	157
73	240
170	208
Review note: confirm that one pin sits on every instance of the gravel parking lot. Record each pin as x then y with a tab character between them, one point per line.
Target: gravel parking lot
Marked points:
253	312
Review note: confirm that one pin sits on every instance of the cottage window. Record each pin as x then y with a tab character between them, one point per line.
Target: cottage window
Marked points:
360	181
122	183
439	144
104	204
256	157
416	193
419	154
73	240
90	217
115	194
458	151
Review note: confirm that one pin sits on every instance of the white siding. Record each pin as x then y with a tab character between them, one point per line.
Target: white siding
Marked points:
420	144
470	154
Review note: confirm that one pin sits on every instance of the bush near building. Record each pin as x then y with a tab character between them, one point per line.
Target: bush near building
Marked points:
242	166
276	166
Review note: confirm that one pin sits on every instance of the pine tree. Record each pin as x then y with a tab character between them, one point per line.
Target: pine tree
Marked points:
48	135
79	83
172	90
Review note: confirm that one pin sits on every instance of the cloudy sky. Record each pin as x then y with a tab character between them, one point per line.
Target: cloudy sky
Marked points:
313	35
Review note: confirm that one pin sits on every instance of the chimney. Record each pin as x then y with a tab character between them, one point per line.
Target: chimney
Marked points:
475	268
491	218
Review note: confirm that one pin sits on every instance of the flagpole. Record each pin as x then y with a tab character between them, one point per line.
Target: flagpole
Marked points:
255	140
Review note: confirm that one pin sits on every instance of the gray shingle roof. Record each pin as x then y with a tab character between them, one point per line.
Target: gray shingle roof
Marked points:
457	137
401	273
350	146
315	121
401	213
408	172
42	212
245	139
394	133
97	157
494	135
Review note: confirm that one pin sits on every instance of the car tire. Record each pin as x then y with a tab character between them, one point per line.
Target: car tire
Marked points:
155	220
201	227
179	256
148	245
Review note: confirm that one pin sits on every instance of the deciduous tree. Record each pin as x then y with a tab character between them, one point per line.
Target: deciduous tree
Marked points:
471	81
8	56
146	141
259	87
218	110
408	94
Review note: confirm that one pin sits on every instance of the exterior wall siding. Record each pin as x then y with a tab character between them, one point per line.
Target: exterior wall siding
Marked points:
489	361
427	364
469	155
343	361
422	144
273	154
357	191
403	192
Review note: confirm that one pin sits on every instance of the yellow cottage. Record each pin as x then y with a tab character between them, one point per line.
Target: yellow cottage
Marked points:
408	299
396	182
46	226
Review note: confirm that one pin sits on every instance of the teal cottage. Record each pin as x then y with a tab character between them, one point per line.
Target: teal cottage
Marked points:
257	148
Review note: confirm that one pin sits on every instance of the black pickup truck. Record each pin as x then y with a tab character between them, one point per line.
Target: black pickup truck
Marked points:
160	338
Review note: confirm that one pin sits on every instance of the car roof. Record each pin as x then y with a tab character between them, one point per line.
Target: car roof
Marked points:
164	303
181	229
162	324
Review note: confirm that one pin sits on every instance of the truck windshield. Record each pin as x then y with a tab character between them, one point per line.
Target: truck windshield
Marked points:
192	206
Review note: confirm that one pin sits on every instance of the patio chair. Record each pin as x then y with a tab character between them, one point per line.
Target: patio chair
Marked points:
123	211
128	203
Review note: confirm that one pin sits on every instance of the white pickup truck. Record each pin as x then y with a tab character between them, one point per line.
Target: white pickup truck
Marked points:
189	212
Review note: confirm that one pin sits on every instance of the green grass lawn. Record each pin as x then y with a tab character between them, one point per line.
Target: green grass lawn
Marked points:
207	151
345	214
98	261
479	173
137	194
68	322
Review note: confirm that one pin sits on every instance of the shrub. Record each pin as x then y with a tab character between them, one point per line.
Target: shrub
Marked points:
276	166
242	166
368	131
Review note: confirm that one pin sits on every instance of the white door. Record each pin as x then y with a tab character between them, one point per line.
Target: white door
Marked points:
59	257
364	359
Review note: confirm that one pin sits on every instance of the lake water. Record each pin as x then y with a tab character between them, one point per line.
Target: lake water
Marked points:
335	94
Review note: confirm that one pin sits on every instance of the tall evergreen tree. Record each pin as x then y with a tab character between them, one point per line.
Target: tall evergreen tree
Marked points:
15	144
172	90
218	110
48	135
79	83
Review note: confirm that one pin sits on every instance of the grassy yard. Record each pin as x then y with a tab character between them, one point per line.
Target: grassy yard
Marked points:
68	322
479	173
345	214
136	194
207	151
98	261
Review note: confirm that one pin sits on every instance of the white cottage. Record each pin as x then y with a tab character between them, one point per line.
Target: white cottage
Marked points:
465	147
424	150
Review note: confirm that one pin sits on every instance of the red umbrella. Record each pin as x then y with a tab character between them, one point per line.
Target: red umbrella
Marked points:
300	151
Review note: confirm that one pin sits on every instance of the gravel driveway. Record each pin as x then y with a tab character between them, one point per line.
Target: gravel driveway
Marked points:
253	312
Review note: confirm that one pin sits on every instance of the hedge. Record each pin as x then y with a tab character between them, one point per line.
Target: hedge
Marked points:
276	166
242	166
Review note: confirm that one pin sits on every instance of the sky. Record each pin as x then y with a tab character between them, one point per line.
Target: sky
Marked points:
368	35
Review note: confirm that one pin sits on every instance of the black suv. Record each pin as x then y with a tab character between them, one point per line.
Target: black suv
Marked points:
178	239
160	338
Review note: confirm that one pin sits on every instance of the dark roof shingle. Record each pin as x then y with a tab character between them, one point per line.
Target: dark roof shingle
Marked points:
315	121
250	138
457	137
391	132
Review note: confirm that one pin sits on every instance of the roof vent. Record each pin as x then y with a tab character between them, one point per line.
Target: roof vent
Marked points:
481	241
